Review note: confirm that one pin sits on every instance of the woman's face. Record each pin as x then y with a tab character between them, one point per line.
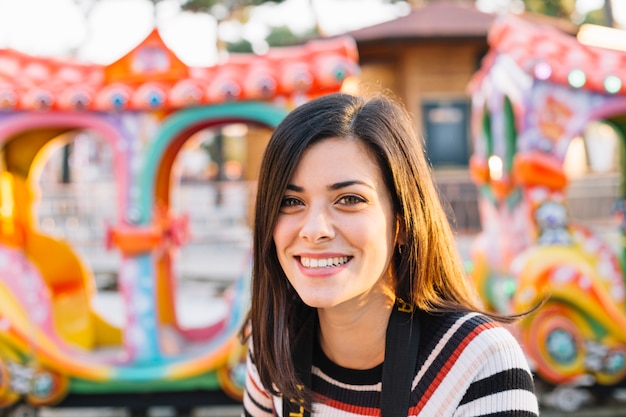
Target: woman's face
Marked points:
336	229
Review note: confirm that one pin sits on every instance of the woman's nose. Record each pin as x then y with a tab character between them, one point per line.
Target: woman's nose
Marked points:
317	225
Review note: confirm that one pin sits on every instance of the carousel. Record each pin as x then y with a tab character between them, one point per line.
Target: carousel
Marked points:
537	90
56	349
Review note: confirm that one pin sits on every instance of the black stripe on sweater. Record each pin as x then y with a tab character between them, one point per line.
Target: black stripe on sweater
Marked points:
252	399
259	406
511	379
433	372
511	413
357	398
332	391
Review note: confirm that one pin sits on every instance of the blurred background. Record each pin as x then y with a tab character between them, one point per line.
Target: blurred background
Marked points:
101	31
425	52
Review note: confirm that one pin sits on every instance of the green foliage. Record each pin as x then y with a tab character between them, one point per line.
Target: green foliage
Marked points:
206	6
557	8
595	17
283	36
279	36
241	47
567	9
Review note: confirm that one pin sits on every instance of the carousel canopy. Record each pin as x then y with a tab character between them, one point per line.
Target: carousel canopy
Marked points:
549	54
152	77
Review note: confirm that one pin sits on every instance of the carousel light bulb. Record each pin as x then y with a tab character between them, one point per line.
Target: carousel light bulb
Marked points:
612	84
543	71
495	167
577	78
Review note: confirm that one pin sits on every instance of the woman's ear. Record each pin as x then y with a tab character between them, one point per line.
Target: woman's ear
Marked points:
400	231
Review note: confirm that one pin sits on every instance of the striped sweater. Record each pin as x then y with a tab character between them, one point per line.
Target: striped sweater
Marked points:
468	365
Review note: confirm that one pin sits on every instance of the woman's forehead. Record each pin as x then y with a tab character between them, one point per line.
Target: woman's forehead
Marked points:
338	159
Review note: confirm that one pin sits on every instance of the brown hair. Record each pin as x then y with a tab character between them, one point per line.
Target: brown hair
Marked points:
428	269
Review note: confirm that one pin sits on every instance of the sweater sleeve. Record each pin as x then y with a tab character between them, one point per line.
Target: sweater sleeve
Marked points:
257	402
502	383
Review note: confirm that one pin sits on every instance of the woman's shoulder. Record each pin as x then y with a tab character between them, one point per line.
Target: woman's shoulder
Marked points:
466	357
453	332
452	319
470	344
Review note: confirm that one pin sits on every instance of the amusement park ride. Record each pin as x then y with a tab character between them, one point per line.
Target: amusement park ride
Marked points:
537	89
55	348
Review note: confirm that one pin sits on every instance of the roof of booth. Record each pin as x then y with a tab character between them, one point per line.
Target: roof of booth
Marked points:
546	53
151	77
445	19
441	19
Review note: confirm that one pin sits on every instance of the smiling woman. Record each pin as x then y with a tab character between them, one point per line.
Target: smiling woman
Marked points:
360	305
336	230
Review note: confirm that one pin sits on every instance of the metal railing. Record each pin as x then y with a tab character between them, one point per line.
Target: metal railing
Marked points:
590	199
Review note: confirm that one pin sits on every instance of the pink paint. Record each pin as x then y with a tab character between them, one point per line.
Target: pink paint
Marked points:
23	122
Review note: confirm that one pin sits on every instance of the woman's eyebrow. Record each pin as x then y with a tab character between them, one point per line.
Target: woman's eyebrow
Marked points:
343	184
332	187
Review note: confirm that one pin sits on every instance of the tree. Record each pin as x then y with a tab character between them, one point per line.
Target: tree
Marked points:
209	6
556	8
277	37
567	9
221	10
239	10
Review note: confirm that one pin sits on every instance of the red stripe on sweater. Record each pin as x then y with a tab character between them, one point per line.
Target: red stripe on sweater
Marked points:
351	408
445	369
258	388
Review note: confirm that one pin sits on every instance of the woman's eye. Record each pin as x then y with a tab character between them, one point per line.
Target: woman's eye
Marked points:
351	200
290	202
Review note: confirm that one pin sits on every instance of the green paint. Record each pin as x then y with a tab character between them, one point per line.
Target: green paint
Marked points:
510	135
487	133
247	112
619	124
208	381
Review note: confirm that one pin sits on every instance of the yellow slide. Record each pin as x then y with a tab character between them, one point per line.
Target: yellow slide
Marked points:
70	283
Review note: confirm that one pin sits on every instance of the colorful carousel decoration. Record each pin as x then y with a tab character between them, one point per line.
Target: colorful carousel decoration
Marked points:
55	348
537	89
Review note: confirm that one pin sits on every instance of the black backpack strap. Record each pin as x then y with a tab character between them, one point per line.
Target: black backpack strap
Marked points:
402	345
401	348
302	356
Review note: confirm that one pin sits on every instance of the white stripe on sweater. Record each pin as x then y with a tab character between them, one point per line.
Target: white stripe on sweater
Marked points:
439	347
502	401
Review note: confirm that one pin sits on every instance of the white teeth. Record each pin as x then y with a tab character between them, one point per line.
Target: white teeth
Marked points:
323	263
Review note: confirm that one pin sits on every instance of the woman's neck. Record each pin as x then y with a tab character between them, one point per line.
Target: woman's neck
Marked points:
354	336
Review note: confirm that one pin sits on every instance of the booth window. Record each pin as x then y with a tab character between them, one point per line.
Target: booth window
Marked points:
446	129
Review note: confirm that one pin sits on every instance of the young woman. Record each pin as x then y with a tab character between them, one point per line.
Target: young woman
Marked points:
360	305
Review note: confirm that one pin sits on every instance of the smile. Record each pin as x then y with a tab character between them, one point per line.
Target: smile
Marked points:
324	263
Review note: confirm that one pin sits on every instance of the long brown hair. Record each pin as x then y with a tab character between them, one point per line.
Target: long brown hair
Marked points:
428	268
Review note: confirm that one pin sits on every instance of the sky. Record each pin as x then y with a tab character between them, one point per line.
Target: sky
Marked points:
58	27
